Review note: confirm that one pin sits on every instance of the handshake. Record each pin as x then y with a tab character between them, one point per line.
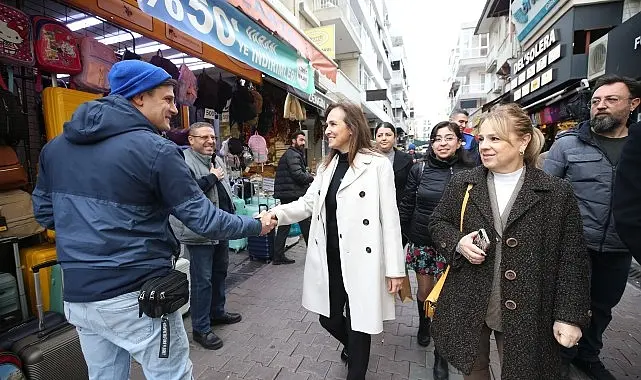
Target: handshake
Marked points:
268	222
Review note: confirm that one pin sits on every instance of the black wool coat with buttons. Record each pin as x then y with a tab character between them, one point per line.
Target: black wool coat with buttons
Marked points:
544	273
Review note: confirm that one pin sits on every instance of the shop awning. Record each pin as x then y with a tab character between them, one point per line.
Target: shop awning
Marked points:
317	100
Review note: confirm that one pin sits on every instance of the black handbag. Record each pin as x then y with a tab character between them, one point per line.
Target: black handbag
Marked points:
160	296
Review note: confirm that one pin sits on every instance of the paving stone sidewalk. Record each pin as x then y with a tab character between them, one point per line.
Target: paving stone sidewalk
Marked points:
279	339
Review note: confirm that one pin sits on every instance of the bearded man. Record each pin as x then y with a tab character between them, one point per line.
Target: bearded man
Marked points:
588	157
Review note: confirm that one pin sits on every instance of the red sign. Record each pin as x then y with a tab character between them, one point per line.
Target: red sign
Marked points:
262	12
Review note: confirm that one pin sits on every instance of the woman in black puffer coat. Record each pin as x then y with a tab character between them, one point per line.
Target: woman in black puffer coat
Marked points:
425	186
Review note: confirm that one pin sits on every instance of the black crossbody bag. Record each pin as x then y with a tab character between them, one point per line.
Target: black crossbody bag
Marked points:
160	296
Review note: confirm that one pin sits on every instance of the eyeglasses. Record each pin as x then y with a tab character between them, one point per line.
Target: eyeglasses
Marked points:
205	137
608	100
446	139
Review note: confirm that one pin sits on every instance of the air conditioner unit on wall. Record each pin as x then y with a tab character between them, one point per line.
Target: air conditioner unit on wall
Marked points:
597	57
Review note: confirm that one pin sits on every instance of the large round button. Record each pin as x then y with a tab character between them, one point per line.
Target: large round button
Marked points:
511	242
362	194
366	222
443	245
511	305
368	250
510	275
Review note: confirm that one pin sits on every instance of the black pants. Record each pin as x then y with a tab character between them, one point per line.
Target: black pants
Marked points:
339	325
609	278
283	232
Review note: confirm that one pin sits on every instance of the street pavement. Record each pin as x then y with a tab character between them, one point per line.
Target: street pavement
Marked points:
279	339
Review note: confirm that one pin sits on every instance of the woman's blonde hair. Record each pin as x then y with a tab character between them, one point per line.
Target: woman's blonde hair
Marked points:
512	118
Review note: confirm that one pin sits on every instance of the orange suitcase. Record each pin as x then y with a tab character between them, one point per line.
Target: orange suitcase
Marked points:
59	104
29	257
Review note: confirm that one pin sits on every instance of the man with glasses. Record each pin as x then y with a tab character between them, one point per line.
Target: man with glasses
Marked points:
209	258
588	157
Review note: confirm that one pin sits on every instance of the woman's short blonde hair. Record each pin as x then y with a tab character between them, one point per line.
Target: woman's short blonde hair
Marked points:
512	118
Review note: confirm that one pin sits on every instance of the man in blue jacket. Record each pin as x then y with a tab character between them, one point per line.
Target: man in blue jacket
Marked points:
588	157
107	187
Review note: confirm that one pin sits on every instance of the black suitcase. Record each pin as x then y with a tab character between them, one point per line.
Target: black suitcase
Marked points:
261	247
51	352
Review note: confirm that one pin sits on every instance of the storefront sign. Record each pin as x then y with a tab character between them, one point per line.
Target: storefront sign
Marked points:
527	14
324	38
262	12
539	48
220	25
317	99
624	49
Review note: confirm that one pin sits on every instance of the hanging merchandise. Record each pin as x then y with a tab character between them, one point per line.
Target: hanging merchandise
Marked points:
97	60
187	86
241	108
165	64
13	121
16	45
55	46
258	146
266	118
129	55
293	110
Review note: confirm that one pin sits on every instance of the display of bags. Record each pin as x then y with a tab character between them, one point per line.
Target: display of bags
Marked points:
16	45
12	174
187	87
97	60
258	146
165	64
55	47
13	121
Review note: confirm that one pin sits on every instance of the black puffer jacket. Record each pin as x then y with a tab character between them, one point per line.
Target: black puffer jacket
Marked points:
292	178
416	206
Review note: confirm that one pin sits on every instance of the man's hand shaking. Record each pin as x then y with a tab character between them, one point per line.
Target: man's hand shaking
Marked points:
268	222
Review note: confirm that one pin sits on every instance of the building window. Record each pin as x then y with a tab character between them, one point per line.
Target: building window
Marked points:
469	104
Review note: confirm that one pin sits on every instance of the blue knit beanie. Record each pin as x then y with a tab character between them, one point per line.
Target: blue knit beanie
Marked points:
132	77
412	146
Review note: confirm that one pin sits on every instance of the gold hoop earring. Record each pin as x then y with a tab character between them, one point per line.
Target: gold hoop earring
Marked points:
521	152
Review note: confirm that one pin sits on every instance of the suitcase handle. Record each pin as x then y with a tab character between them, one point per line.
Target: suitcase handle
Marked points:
36	279
46	264
260	207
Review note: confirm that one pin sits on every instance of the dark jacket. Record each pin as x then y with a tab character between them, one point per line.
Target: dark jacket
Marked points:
107	187
576	157
292	178
543	244
627	193
422	194
402	164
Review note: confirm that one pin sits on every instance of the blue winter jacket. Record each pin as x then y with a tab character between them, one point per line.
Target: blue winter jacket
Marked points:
107	187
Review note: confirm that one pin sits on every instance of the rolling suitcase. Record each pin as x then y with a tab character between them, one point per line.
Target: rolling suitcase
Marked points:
9	299
33	256
59	104
261	247
51	352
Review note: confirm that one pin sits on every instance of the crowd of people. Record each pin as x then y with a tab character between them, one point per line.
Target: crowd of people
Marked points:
538	258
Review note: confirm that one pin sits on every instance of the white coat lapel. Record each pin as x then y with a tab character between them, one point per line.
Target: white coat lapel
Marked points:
361	161
327	178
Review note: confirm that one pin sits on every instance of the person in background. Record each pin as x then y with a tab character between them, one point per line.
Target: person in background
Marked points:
627	193
354	265
292	181
107	186
425	185
411	150
530	284
587	157
209	258
385	134
470	145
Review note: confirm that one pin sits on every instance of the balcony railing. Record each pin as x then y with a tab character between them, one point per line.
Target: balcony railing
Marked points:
477	52
346	7
475	88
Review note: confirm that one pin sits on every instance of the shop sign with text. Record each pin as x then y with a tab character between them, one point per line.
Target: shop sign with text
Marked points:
222	26
527	14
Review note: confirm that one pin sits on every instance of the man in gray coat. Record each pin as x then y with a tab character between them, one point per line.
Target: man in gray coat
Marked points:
209	258
588	157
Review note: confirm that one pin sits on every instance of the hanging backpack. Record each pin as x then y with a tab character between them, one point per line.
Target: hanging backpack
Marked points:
187	87
55	47
258	146
97	60
16	45
165	64
13	122
207	94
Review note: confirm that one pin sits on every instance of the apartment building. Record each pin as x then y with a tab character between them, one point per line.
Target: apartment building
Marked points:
401	108
469	79
363	50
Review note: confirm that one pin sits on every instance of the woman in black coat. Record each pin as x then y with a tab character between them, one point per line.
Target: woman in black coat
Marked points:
530	286
425	185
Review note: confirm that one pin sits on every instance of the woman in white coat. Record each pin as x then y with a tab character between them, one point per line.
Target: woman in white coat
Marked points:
355	258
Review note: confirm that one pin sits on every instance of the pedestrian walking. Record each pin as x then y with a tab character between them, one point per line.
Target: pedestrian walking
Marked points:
354	264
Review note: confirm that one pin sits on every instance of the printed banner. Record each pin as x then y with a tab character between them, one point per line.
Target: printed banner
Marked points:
220	25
